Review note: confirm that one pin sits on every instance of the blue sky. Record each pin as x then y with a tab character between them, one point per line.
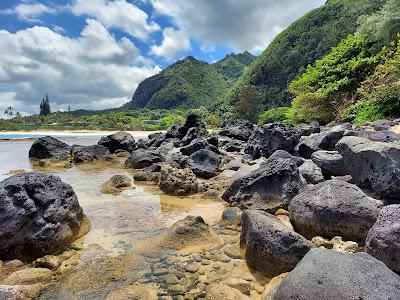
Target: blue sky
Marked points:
93	54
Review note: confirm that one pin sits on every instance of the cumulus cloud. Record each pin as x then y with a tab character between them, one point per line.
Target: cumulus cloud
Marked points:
117	14
248	25
29	12
92	71
173	43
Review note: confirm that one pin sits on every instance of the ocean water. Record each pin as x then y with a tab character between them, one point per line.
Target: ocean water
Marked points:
27	135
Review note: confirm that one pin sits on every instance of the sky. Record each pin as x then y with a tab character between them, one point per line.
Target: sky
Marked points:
92	54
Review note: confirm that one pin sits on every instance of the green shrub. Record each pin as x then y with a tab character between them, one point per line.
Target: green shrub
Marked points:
276	114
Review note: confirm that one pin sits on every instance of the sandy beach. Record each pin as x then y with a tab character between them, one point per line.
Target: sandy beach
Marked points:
73	132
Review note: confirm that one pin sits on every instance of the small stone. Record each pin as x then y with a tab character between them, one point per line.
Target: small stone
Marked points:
205	262
12	265
192	268
14	292
216	265
28	276
232	251
176	289
242	285
223	258
196	257
49	261
170	279
319	241
160	272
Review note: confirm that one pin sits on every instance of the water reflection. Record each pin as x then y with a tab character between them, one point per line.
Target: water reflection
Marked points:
118	222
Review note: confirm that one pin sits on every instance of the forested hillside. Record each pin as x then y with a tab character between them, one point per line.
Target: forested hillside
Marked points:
190	83
300	45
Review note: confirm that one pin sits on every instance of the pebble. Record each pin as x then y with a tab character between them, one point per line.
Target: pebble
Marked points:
160	272
196	257
176	289
28	276
205	262
232	251
242	285
12	265
49	261
192	267
170	279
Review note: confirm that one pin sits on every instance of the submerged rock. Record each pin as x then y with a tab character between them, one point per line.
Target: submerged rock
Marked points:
140	159
116	183
269	187
271	137
333	208
374	165
383	240
187	232
271	247
178	182
40	214
118	141
50	148
331	275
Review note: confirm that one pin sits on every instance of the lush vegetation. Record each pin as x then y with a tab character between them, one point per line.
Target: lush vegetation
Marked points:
301	44
141	119
358	79
274	115
190	83
379	94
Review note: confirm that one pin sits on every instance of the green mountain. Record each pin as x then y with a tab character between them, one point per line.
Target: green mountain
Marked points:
190	83
301	44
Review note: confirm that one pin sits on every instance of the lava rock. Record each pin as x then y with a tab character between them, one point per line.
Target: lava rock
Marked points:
50	148
330	162
333	208
196	145
204	163
271	137
118	141
270	187
85	154
311	172
140	159
238	129
331	275
179	131
383	240
374	165
308	129
271	247
39	214
179	182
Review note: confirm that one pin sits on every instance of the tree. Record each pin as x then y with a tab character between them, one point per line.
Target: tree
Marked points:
9	111
45	106
250	103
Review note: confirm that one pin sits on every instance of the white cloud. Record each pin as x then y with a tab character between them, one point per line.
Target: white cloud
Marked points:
241	25
29	12
173	43
117	14
91	71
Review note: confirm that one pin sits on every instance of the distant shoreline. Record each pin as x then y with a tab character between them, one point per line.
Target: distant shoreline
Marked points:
73	132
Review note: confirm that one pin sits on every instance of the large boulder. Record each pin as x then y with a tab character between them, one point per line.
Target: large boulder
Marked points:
330	162
271	137
333	208
191	129
325	140
373	165
383	240
143	158
270	246
118	141
331	275
39	214
179	182
50	148
238	129
204	163
270	187
84	154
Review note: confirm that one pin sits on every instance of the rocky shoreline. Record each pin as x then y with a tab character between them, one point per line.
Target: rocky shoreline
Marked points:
314	211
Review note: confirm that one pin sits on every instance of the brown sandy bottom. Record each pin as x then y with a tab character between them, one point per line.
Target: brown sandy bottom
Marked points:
155	272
